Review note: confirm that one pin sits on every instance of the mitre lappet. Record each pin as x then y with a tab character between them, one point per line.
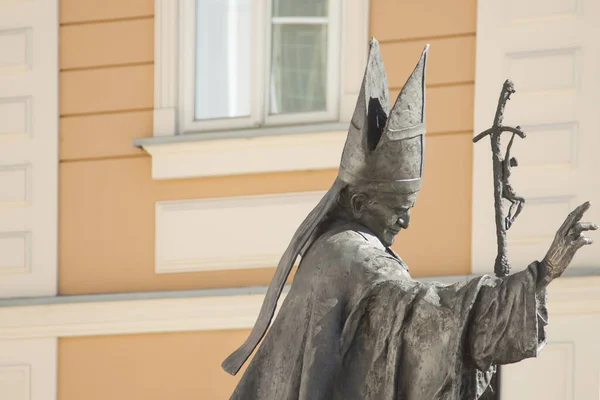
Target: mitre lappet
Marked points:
384	152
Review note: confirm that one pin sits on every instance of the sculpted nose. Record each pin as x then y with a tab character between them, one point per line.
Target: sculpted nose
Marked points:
404	220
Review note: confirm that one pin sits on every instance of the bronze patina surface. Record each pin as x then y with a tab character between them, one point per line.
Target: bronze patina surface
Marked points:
355	325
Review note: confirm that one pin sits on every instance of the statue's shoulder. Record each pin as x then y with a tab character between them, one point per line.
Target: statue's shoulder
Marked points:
352	246
349	237
350	234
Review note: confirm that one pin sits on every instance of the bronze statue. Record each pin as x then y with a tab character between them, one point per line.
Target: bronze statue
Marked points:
354	324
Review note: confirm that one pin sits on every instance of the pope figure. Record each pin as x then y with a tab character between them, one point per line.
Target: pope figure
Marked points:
354	324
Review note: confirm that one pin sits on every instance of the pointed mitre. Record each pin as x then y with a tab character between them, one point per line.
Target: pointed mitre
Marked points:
384	150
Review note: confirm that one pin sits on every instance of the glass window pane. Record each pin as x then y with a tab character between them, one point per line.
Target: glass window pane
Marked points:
298	68
300	8
223	49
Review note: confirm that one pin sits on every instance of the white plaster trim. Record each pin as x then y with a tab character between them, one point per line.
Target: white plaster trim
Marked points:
577	295
189	232
130	316
294	152
29	99
165	67
29	369
354	51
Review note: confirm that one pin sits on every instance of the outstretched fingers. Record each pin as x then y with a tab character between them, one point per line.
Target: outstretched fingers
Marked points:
573	217
582	241
580	227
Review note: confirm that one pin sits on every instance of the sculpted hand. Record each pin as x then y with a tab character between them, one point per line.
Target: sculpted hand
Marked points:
567	241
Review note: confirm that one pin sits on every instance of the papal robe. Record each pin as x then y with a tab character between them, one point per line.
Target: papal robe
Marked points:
355	325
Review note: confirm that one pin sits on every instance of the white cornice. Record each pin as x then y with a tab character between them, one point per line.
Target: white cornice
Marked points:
130	316
246	155
574	295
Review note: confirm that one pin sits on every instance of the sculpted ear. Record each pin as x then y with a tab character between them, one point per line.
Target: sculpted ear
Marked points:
357	204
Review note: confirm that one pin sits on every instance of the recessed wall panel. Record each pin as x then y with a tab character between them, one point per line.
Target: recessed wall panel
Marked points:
548	377
213	234
545	144
535	9
15	248
16	49
543	70
15	185
28	368
15	114
15	381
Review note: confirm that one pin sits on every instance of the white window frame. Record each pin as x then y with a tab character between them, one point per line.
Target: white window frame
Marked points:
331	112
174	68
187	81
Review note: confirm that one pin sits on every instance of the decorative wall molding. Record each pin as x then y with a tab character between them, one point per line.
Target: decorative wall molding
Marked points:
541	46
166	42
15	381
577	295
191	236
130	316
29	148
355	34
550	377
16	112
17	45
16	251
28	369
230	156
16	184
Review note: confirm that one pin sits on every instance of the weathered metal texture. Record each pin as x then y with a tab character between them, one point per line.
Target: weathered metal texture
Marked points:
385	148
383	153
501	265
355	325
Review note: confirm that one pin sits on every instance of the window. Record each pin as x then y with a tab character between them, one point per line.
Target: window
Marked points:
299	56
261	62
229	65
223	59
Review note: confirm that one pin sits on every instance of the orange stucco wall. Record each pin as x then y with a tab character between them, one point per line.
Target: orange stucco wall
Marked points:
106	190
178	366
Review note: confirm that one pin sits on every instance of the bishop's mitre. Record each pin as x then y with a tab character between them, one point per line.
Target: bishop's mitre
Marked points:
384	149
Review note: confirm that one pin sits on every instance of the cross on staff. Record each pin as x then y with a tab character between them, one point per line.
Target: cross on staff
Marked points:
501	170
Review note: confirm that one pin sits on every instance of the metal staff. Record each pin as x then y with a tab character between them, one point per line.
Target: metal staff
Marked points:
501	265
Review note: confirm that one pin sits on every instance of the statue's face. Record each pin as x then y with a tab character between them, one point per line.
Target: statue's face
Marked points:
385	214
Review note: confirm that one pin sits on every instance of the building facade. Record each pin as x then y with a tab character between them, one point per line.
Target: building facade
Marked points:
158	155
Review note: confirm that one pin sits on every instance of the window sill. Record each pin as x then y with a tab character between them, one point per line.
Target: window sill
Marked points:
277	149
